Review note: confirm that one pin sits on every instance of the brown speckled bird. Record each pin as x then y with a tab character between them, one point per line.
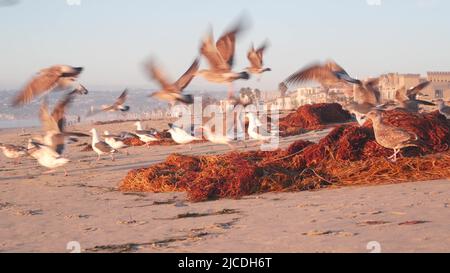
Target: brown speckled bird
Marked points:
391	137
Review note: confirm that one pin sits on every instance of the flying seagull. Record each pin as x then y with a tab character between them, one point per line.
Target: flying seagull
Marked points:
172	92
391	137
256	60
14	152
407	98
119	105
58	77
365	93
328	75
220	57
366	98
47	157
54	124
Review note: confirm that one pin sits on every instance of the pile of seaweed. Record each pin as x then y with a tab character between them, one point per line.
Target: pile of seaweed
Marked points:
349	155
313	117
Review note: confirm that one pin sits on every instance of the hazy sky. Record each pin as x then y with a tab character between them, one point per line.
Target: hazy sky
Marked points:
112	38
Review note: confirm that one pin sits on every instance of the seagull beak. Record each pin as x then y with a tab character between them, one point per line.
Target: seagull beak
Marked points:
82	90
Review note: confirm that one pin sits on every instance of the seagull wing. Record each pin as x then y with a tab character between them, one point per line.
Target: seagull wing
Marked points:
314	72
227	43
60	109
48	122
215	59
412	92
368	92
400	95
122	98
158	75
103	146
187	77
255	58
45	81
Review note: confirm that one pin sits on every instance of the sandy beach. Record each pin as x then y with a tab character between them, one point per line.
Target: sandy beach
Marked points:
43	213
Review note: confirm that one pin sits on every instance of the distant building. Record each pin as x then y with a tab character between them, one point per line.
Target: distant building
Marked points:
438	89
309	95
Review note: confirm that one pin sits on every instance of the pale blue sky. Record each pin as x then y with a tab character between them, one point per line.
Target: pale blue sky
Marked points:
112	38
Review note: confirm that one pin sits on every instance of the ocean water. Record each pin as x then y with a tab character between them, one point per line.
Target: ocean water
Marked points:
28	116
19	123
142	107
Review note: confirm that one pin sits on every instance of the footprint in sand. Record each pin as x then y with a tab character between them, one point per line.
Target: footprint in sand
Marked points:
338	233
29	212
373	223
132	223
77	216
5	205
412	223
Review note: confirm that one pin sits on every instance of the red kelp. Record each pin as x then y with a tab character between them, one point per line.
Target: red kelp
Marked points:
349	155
311	117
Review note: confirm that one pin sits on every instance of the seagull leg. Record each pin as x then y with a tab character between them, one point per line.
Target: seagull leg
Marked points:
112	158
394	156
49	172
98	158
65	172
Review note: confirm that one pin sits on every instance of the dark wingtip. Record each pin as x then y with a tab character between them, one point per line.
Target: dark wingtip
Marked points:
187	99
79	69
244	75
125	109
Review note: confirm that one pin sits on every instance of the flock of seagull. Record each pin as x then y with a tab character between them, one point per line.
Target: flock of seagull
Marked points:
48	149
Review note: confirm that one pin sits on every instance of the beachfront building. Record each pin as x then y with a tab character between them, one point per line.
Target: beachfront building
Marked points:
390	83
438	89
309	95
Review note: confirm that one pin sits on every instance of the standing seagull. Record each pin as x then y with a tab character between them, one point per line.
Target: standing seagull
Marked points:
220	57
13	152
256	60
407	98
49	79
101	147
117	106
115	141
180	136
216	138
443	109
391	137
173	92
146	136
